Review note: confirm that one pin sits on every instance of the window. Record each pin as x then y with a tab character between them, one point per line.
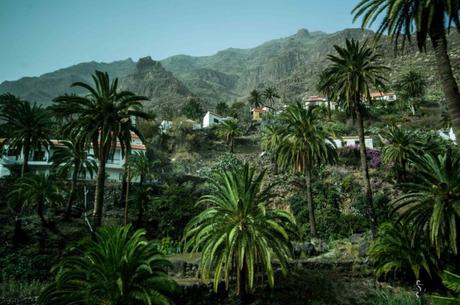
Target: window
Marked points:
216	121
357	142
38	155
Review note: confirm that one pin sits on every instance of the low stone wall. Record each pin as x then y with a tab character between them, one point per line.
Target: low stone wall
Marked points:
19	301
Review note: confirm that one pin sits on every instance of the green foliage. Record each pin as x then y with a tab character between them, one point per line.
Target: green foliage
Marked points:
394	250
229	130
69	158
222	108
255	99
118	267
432	199
411	87
28	126
38	192
20	289
451	281
237	230
193	109
173	208
270	95
400	146
383	297
168	246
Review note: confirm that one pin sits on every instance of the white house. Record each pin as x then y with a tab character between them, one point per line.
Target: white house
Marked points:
211	119
353	141
40	160
447	135
315	101
165	126
383	96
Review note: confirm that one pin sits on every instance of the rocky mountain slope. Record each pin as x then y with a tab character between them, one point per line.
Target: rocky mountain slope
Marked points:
291	64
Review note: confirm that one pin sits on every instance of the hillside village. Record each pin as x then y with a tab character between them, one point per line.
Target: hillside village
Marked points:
317	169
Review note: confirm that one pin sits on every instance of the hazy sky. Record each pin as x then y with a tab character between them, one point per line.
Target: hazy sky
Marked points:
39	36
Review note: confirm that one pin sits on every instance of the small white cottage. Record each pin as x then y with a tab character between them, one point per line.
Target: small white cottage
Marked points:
353	141
211	119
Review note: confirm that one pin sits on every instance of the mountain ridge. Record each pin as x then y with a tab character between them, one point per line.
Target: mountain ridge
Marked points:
290	63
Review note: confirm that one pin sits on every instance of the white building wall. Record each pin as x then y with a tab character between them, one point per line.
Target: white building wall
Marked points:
211	119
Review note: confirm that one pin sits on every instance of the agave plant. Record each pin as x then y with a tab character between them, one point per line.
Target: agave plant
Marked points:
118	267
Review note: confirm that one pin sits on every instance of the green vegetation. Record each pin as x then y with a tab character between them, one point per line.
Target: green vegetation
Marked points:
285	209
237	231
118	267
101	118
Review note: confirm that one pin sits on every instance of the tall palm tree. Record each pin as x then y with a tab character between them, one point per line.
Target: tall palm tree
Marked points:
238	231
102	118
411	87
432	200
28	127
270	94
304	145
229	130
38	192
428	18
324	88
255	99
118	267
69	158
353	72
400	146
271	140
138	165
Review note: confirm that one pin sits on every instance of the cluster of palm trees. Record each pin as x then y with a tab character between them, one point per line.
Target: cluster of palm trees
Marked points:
97	122
266	98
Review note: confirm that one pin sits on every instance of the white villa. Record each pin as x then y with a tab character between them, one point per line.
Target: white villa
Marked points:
40	160
211	119
383	97
448	135
353	141
315	101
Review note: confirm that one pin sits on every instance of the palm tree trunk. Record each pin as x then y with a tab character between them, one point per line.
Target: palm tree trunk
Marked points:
25	161
242	292
231	145
40	212
140	214
100	184
365	172
329	109
124	185
311	208
449	85
125	222
72	191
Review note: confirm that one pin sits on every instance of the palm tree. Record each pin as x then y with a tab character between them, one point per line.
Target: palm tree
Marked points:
28	127
238	231
394	250
432	199
452	282
137	165
222	108
102	118
255	99
270	94
304	145
229	130
70	158
118	267
324	88
351	74
400	146
271	140
429	19
411	87
38	192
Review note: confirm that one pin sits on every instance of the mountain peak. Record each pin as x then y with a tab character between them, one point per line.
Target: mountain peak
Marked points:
302	33
146	64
